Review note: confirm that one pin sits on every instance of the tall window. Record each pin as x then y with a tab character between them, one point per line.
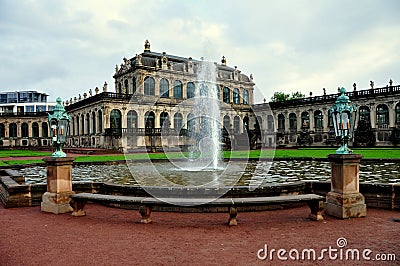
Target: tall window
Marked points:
398	114
227	123
149	119
149	86
119	87
177	89
270	123
2	130
35	130
305	120
87	122
164	88
364	114
164	123
236	124
190	90
178	123
225	95
94	131
77	125
134	85
45	130
382	115
100	120
83	124
246	123
281	122
132	119
245	97
12	130
191	123
203	89
116	121
292	121
126	83
24	130
318	120
236	96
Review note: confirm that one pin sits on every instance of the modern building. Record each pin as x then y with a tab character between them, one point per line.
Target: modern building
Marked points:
23	119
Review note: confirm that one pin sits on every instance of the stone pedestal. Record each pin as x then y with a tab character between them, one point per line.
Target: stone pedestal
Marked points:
345	200
59	185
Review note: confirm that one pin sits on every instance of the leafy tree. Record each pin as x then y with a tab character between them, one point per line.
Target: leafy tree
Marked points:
280	97
297	95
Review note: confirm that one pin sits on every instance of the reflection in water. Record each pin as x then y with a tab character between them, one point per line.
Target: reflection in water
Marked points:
255	174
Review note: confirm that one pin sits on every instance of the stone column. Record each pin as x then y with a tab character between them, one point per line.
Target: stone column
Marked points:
344	200
59	185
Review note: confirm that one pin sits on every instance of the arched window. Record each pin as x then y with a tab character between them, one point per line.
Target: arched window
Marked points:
364	114
164	123
190	90
178	123
246	123
164	88
236	96
270	123
12	130
281	122
305	120
245	97
100	121
45	130
149	119
77	125
318	118
236	124
87	122
292	121
35	130
227	123
24	130
177	89
83	124
2	130
94	131
225	95
132	119
134	85
397	114
126	84
191	122
149	86
382	115
115	119
119	87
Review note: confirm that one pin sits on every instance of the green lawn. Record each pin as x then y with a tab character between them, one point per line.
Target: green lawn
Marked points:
371	153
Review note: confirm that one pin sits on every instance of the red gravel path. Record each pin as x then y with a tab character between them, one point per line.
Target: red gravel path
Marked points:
109	236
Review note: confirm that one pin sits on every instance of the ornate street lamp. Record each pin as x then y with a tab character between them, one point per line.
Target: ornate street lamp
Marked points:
344	116
59	127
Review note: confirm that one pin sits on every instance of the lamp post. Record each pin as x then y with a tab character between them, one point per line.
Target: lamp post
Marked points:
344	116
58	166
59	125
344	200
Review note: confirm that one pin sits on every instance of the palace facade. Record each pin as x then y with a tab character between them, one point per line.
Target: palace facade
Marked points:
153	106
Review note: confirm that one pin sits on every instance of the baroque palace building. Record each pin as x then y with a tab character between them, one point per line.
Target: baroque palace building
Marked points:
153	107
153	104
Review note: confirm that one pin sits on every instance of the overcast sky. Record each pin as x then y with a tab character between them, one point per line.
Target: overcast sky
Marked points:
64	48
